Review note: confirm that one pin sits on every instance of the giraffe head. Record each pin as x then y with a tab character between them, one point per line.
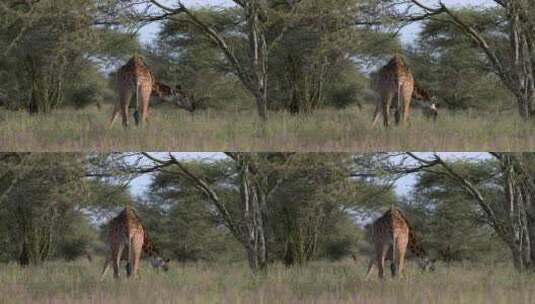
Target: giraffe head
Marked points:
158	262
174	95
433	108
427	264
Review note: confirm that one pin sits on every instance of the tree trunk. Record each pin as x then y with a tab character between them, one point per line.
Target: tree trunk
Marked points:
253	232
262	106
258	52
24	259
46	87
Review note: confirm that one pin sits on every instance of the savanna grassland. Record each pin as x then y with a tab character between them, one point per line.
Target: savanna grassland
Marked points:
319	282
211	130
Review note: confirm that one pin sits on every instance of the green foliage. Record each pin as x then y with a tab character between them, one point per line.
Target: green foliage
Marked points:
47	47
88	86
183	223
451	224
341	239
46	206
449	65
310	66
38	204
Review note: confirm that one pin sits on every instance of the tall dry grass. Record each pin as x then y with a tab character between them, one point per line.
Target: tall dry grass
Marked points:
319	282
325	130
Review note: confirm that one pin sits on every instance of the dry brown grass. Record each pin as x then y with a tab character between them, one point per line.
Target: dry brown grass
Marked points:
319	282
326	130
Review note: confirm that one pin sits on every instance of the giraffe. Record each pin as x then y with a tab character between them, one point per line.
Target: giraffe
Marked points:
415	247
391	235
149	251
125	232
136	79
394	80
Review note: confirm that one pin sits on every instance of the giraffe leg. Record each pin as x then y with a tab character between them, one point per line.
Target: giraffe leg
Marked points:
125	94
376	115
401	251
370	267
406	102
124	114
113	116
387	101
137	247
145	92
116	254
395	258
380	257
105	268
397	113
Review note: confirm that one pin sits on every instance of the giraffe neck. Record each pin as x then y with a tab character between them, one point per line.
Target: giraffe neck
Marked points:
415	246
149	249
421	94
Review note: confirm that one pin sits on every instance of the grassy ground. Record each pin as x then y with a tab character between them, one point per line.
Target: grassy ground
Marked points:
320	282
325	130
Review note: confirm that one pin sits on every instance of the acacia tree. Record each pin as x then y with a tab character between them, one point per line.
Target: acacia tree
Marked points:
247	217
511	57
44	199
504	194
46	44
266	36
252	69
312	64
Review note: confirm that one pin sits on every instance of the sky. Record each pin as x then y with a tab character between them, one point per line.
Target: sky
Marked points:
407	34
402	187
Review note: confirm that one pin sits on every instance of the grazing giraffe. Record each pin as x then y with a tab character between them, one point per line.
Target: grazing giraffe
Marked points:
415	247
391	234
394	80
125	232
135	79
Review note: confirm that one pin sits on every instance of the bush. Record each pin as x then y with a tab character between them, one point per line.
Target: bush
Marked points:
72	249
88	87
338	249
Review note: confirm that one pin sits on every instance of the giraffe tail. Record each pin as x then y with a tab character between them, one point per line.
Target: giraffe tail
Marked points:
398	106
130	257
136	112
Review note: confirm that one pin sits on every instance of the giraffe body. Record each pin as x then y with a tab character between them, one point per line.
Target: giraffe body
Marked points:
391	235
395	85
125	232
135	79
